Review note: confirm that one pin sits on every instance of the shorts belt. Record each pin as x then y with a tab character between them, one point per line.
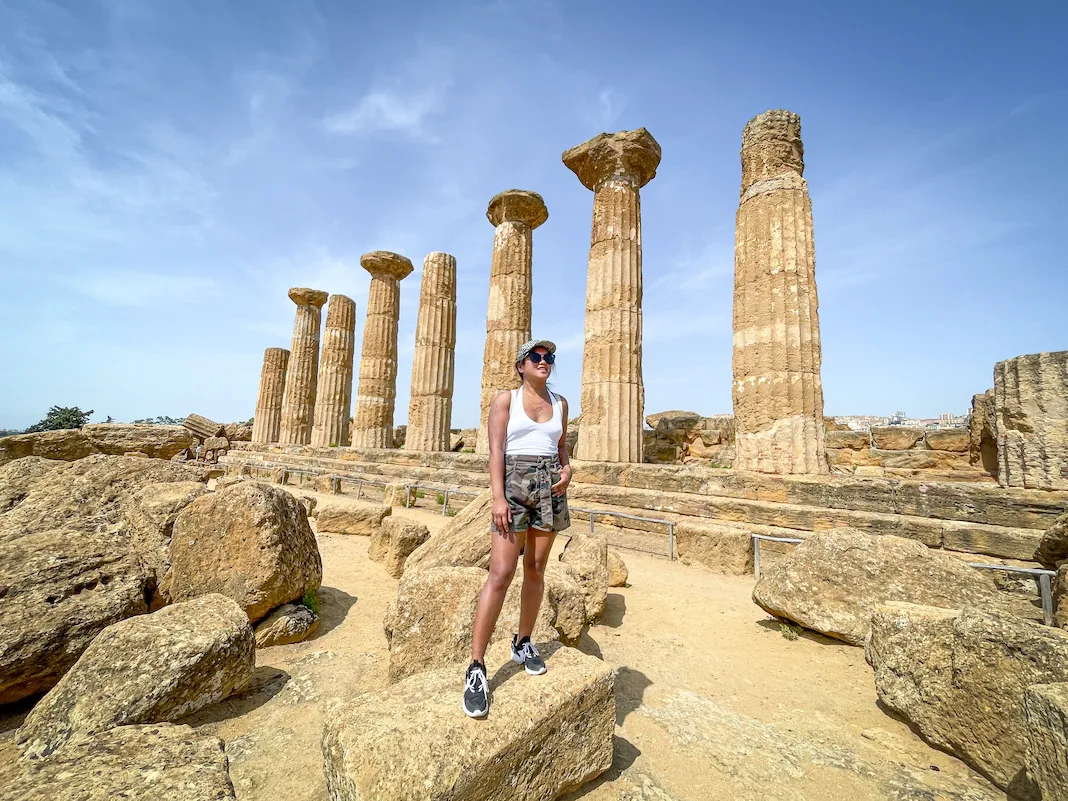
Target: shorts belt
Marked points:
543	467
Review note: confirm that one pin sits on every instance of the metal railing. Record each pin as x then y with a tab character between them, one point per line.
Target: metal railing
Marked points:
443	491
607	512
1044	577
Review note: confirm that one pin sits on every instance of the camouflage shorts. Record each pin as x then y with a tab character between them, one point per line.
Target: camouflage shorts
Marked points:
527	488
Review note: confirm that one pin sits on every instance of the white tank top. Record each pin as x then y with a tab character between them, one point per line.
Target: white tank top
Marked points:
527	438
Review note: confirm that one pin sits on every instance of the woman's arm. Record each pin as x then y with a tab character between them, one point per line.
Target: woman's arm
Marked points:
498	429
560	487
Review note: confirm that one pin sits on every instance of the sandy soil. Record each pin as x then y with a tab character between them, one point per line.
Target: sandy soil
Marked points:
712	700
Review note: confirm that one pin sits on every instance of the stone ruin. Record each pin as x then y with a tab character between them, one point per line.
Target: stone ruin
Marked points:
869	537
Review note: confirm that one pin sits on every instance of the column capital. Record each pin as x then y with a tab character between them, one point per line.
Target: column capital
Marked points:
771	146
517	205
303	296
383	264
633	155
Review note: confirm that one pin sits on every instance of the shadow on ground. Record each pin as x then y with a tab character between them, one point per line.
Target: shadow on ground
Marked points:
334	606
266	683
615	608
776	625
624	753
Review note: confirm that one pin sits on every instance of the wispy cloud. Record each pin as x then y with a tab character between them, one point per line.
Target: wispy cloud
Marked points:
144	290
390	111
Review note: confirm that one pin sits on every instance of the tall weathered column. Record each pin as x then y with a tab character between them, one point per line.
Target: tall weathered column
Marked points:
298	408
515	213
372	425
615	167
334	393
269	402
1031	411
430	410
778	396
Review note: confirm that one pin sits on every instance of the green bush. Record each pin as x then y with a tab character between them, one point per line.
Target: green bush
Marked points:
60	417
311	600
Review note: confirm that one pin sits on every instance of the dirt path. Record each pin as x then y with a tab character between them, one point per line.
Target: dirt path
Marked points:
712	701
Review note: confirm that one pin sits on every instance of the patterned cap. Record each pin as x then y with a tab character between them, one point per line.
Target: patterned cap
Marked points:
527	347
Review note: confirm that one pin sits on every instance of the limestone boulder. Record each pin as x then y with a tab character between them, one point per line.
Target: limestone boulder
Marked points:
287	624
251	542
217	444
68	562
617	569
960	677
853	440
895	438
833	581
462	542
982	433
1031	418
160	762
152	511
432	617
350	518
157	441
540	740
587	556
148	669
395	541
1046	707
64	445
1053	547
956	440
1060	597
238	432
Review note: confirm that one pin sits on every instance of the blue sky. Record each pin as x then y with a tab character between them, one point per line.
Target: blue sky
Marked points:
168	170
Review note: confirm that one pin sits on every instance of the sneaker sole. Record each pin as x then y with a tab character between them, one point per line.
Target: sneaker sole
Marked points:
476	714
520	661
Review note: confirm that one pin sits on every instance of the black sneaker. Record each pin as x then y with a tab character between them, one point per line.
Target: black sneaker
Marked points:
524	653
476	692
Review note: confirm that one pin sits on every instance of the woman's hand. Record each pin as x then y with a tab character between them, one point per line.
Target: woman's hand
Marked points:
502	515
560	487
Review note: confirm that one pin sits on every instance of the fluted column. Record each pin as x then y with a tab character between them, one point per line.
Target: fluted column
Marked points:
298	408
272	389
372	425
615	167
515	214
778	396
334	393
430	410
1031	410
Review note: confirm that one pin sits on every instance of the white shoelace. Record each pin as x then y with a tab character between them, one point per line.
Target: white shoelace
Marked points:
528	650
475	678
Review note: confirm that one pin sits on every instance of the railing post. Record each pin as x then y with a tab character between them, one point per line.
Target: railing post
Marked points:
756	557
445	505
671	541
359	489
1047	598
591	521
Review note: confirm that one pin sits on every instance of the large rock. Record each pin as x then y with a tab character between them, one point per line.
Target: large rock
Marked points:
617	569
69	560
153	510
250	542
159	442
65	445
833	581
431	620
148	669
287	624
238	432
959	677
1052	549
1060	597
948	439
158	762
462	542
395	541
1031	412
350	518
543	737
1046	706
982	433
587	556
895	438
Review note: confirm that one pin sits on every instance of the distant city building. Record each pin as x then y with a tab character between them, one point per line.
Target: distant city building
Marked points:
864	422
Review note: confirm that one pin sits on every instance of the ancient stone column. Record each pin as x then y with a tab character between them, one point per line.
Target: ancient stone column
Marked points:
272	389
615	167
515	214
778	396
430	410
372	425
1031	412
298	407
334	393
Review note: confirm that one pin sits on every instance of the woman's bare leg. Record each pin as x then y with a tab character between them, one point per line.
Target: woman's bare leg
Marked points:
535	557
504	555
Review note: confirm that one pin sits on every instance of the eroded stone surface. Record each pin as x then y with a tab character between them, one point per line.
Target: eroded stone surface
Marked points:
287	624
268	418
298	405
347	518
333	392
778	395
587	556
1046	706
148	669
430	410
1031	407
540	739
394	542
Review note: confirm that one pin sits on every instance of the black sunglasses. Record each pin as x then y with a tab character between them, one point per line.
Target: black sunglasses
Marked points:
537	357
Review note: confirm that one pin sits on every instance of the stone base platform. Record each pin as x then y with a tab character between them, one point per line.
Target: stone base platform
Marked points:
716	510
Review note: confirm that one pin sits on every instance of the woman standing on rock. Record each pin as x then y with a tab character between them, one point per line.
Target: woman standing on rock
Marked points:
529	474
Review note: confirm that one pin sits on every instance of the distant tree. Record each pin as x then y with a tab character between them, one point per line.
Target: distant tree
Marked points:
59	417
162	420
